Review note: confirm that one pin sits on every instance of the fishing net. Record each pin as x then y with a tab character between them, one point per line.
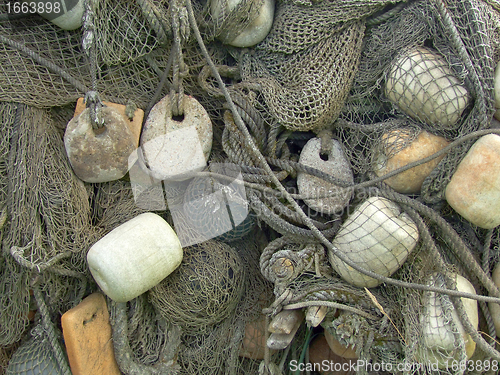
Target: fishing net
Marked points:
47	226
468	59
204	289
349	71
305	71
34	356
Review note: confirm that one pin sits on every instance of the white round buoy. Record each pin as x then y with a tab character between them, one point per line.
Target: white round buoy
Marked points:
424	87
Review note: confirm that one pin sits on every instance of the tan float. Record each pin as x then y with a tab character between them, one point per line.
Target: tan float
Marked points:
87	336
134	257
474	189
424	145
133	116
339	349
324	361
253	345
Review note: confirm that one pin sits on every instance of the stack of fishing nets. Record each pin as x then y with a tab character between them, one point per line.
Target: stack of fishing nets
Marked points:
364	261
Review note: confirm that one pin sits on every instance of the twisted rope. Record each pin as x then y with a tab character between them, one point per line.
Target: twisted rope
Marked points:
92	99
50	331
166	364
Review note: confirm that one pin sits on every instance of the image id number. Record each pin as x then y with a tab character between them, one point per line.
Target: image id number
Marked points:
33	7
478	365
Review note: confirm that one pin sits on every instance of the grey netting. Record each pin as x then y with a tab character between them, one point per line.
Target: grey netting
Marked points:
205	288
48	224
34	356
283	82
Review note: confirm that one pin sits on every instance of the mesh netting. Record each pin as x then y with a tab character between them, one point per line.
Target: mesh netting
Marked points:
48	223
205	288
34	357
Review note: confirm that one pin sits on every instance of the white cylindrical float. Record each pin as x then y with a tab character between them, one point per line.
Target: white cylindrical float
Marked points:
474	188
439	322
134	257
424	87
67	14
378	237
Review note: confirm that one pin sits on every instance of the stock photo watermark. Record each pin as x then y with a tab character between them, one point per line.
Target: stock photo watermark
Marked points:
414	367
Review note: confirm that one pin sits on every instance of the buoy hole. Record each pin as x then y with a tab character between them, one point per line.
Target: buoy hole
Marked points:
100	130
323	156
178	118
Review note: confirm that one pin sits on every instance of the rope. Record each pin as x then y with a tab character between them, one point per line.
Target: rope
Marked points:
17	254
335	305
252	118
159	88
50	331
179	69
384	17
92	99
125	357
282	226
155	19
